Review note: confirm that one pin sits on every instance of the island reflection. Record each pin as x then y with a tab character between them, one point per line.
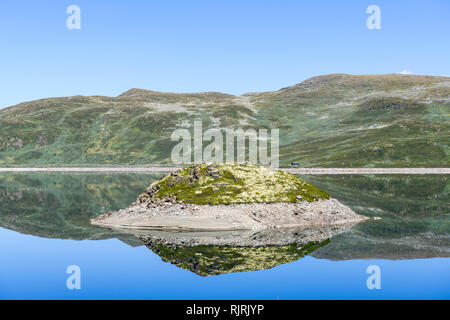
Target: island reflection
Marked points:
214	253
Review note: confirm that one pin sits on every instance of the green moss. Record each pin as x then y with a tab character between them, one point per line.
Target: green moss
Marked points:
232	184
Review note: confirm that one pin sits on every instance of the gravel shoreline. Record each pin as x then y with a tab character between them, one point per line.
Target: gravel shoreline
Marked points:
251	216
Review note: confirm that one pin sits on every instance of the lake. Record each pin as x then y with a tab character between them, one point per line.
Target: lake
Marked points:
44	229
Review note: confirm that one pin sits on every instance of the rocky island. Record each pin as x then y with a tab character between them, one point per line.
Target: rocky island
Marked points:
213	197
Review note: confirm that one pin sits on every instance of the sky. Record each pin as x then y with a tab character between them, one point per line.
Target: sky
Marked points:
232	46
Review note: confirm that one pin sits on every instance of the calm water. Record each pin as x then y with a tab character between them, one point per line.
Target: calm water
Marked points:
44	228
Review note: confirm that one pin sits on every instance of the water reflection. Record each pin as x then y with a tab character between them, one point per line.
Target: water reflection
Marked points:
414	210
60	205
213	253
415	216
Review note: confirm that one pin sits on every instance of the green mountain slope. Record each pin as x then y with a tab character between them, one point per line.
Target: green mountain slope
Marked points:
335	120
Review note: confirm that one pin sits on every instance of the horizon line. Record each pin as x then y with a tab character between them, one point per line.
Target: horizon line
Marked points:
400	74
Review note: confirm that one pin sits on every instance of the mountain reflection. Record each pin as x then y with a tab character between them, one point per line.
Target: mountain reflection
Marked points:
414	210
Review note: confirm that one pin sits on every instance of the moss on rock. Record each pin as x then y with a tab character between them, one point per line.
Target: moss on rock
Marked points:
231	184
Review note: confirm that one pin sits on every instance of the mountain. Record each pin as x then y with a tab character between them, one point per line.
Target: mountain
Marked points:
335	120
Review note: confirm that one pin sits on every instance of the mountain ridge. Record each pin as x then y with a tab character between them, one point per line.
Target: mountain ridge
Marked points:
333	120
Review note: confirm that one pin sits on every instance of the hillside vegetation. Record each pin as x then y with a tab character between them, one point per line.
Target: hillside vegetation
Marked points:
335	120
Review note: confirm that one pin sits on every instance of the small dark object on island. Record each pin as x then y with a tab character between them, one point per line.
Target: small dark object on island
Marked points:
294	164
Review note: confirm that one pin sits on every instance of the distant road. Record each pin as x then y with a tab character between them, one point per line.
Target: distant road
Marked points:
315	171
369	170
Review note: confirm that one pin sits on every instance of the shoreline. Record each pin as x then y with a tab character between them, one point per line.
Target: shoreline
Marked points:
243	238
309	171
231	217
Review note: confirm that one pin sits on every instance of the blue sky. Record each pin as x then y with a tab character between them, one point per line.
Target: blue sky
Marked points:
229	46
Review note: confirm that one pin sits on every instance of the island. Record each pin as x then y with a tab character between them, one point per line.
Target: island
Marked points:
225	197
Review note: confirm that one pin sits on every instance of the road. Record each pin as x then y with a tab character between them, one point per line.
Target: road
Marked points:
312	171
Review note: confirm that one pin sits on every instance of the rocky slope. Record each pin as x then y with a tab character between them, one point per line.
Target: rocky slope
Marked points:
335	120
